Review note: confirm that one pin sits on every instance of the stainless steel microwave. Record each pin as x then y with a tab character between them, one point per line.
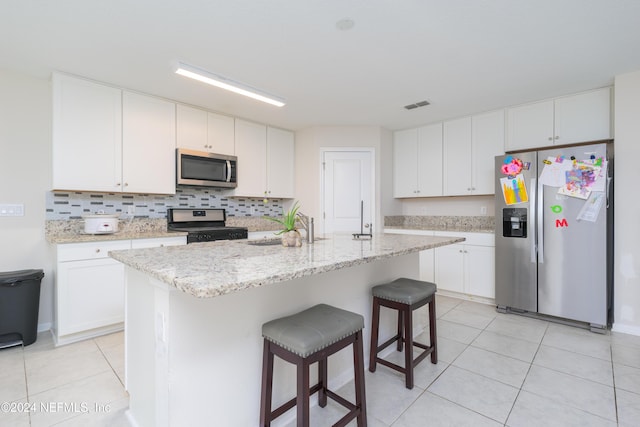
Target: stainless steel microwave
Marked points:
206	169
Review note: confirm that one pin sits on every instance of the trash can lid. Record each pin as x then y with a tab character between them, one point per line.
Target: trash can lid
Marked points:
9	277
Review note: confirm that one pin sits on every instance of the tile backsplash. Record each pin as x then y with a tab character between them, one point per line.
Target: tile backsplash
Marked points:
72	205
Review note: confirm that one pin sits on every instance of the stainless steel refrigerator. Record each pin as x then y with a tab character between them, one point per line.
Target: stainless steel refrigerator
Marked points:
554	233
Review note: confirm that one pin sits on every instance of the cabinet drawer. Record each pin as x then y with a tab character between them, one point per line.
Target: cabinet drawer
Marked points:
93	250
158	242
477	239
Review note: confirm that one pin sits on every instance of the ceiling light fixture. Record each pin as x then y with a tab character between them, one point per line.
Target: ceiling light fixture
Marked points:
222	82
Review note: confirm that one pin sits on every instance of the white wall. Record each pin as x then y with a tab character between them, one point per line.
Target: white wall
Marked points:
626	205
443	206
25	171
308	173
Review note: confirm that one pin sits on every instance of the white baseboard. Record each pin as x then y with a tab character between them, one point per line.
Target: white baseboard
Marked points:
626	329
42	327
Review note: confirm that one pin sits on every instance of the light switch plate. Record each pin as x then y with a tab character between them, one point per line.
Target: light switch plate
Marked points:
11	209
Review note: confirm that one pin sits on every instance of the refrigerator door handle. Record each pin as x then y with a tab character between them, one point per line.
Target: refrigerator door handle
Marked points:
532	201
540	222
609	179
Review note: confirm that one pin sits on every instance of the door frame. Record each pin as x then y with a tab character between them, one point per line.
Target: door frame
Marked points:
374	205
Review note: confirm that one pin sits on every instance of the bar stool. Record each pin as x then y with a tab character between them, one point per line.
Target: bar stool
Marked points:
404	295
302	339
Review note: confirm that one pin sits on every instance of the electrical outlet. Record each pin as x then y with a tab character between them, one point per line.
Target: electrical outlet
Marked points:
483	210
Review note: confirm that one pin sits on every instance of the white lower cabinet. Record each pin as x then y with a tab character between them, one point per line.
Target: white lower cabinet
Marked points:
427	267
89	294
467	268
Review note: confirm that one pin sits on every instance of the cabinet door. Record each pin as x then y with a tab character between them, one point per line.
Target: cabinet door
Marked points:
280	163
583	117
405	163
427	265
487	141
530	126
480	271
90	295
251	149
87	135
457	156
191	128
148	144
221	134
430	160
449	268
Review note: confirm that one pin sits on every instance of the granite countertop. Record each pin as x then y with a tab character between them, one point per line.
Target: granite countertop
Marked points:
212	269
72	231
472	224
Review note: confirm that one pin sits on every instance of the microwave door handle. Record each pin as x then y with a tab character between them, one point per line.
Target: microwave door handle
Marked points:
228	171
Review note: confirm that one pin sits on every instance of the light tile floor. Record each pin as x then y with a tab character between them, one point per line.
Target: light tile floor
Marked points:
494	370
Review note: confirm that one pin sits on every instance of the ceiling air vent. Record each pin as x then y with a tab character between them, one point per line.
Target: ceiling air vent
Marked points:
416	105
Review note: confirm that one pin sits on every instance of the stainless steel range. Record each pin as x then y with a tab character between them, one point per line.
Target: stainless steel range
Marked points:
203	225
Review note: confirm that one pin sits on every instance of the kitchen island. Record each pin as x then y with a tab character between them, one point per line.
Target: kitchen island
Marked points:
193	344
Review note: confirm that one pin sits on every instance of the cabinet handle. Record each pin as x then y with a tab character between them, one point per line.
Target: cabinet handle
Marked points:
97	251
557	137
117	184
126	184
550	138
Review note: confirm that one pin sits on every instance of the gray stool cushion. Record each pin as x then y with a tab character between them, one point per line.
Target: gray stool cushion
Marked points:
404	291
313	329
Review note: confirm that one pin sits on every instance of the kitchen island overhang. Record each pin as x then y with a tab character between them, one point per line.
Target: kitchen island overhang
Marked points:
194	315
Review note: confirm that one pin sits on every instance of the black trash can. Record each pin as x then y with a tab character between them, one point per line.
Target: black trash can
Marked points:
19	303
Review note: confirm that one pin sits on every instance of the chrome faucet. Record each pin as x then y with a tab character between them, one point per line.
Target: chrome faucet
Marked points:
307	224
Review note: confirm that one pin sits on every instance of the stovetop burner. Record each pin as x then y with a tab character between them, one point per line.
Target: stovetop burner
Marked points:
203	225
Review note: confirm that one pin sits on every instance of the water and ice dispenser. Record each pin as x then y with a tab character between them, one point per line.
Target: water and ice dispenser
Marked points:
514	222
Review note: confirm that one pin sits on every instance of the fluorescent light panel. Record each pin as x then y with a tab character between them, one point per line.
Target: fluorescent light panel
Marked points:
227	84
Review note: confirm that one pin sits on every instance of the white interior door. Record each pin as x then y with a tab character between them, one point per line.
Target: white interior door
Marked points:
348	190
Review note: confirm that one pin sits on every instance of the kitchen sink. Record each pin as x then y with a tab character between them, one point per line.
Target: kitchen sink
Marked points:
264	242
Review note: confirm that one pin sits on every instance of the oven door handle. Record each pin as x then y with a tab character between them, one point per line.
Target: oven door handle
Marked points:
228	170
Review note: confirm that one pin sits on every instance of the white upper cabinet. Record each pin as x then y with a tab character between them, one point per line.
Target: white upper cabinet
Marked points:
205	131
280	163
87	135
405	163
265	161
583	117
457	157
487	142
567	120
148	144
191	128
221	134
104	140
417	162
251	149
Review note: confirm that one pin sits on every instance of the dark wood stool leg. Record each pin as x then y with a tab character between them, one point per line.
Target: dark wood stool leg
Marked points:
433	337
302	398
322	381
400	331
375	323
267	385
408	350
358	367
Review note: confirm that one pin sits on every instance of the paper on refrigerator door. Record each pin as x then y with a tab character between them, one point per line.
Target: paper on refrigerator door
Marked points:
554	173
514	190
591	208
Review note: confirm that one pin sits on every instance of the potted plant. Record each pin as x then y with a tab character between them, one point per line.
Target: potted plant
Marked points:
290	235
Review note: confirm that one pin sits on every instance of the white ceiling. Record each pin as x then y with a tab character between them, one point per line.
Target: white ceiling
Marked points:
463	56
